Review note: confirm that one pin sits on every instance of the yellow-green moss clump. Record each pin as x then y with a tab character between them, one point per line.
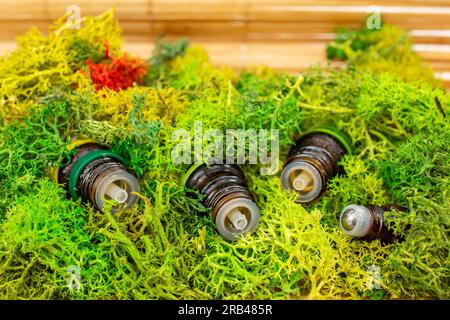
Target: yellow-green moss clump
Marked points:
42	64
388	49
167	247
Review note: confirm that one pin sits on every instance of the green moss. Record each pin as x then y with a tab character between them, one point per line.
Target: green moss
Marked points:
42	64
268	101
163	54
30	147
360	185
417	174
41	237
166	247
375	122
388	49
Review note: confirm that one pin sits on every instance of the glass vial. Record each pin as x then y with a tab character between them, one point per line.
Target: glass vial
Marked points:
313	161
233	209
96	174
367	222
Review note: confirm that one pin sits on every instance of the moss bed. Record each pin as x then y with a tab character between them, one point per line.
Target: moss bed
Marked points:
80	83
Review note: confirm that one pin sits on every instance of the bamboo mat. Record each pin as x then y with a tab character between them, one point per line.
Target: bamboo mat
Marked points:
285	34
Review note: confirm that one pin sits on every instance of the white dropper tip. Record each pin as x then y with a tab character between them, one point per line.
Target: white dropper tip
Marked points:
116	193
303	182
238	219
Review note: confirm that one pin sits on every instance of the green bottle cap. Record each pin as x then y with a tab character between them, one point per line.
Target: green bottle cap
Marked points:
334	132
190	170
83	162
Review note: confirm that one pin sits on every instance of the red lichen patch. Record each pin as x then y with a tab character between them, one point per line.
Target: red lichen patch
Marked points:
117	73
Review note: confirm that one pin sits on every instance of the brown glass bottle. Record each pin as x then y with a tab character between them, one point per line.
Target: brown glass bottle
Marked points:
312	162
367	222
96	174
233	209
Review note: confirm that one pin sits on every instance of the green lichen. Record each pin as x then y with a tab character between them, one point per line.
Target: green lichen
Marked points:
41	64
166	247
388	49
163	54
30	147
417	174
376	110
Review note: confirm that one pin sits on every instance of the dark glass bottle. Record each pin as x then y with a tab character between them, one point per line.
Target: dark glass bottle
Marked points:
95	174
233	209
313	161
367	222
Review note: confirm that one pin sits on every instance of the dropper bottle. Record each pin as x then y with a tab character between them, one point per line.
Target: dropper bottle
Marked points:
96	174
233	209
313	161
367	222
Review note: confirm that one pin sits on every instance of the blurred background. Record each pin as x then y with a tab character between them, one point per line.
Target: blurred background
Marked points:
285	34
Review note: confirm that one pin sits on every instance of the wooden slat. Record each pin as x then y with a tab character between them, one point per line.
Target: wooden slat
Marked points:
212	31
409	3
289	57
22	10
199	10
129	10
284	19
285	34
202	30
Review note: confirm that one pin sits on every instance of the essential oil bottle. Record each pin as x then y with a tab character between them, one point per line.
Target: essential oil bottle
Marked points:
96	174
233	208
313	161
367	222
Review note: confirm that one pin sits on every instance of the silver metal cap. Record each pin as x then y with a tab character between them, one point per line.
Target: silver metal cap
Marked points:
355	220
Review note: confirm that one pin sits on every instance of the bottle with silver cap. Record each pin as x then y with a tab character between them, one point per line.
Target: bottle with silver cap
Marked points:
367	222
313	161
96	174
233	209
